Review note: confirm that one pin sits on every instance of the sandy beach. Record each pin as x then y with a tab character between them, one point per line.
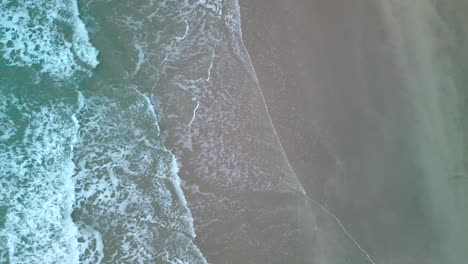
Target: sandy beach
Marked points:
345	118
247	203
234	131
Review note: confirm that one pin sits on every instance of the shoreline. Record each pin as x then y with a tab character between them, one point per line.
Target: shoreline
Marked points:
246	201
323	208
341	108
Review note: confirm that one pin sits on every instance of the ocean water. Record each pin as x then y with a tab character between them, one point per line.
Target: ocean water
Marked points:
106	105
85	175
98	98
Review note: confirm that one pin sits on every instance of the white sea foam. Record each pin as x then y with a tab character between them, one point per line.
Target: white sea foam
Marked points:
35	178
127	184
90	246
81	44
186	31
194	111
8	126
139	47
36	33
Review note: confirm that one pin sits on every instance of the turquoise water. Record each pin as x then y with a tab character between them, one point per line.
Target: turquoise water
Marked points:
93	93
85	176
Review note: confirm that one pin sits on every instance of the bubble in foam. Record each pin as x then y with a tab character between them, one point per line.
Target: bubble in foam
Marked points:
127	186
47	34
37	192
8	126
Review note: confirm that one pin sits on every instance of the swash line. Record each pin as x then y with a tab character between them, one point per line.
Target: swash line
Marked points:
284	153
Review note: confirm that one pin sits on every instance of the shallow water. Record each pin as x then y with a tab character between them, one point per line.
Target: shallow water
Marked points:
85	175
136	132
88	113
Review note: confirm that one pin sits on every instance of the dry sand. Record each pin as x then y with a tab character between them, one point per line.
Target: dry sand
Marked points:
344	117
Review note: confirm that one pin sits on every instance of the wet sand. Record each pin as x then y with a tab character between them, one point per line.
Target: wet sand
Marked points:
247	203
343	113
